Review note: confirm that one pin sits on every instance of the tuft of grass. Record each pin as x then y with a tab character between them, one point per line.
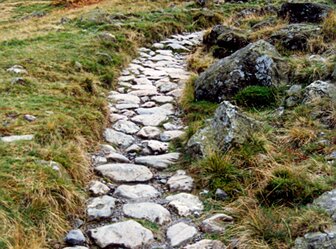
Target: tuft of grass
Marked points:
287	187
328	27
256	96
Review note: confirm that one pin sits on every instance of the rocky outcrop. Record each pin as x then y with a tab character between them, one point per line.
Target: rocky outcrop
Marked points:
296	36
226	40
304	12
227	128
258	63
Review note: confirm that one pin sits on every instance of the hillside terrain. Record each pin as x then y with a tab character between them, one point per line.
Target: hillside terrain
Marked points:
167	124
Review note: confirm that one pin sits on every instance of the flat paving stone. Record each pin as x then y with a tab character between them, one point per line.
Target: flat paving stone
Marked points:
149	132
98	188
127	234
118	138
148	211
159	161
123	172
100	207
180	233
149	120
180	182
10	139
124	98
170	135
126	126
137	192
206	244
185	204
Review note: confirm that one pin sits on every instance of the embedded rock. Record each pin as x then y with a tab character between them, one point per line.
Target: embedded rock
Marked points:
124	172
228	127
10	139
75	237
100	207
180	182
157	146
127	234
296	36
258	63
167	136
159	161
148	211
118	138
327	202
206	244
149	132
319	89
150	120
180	233
137	192
326	239
216	223
97	188
126	127
185	204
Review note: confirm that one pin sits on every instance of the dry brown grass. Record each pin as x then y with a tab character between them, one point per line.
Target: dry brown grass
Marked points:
200	60
328	27
74	3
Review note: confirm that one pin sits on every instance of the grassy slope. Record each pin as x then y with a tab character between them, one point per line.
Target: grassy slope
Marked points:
270	178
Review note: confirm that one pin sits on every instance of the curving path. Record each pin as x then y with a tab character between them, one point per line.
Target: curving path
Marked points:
135	202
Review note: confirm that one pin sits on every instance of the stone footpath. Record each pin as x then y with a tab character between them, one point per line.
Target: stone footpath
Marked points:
133	191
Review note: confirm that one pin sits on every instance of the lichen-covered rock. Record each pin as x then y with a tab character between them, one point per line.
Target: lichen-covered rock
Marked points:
320	89
304	12
258	63
227	128
296	36
317	240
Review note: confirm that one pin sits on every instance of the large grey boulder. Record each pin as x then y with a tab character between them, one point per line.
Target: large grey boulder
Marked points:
228	127
258	63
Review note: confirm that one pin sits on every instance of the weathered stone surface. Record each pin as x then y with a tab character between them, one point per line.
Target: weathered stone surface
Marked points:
327	201
148	211
326	239
256	64
185	204
124	98
137	192
304	12
296	36
216	223
157	146
127	234
75	237
17	69
159	161
166	109
226	39
150	120
167	136
100	207
118	138
180	233
10	139
228	127
163	99
149	132
206	244
115	117
123	172
116	157
76	247
180	182
98	188
126	127
319	89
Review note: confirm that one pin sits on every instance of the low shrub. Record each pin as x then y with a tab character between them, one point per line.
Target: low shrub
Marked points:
256	96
